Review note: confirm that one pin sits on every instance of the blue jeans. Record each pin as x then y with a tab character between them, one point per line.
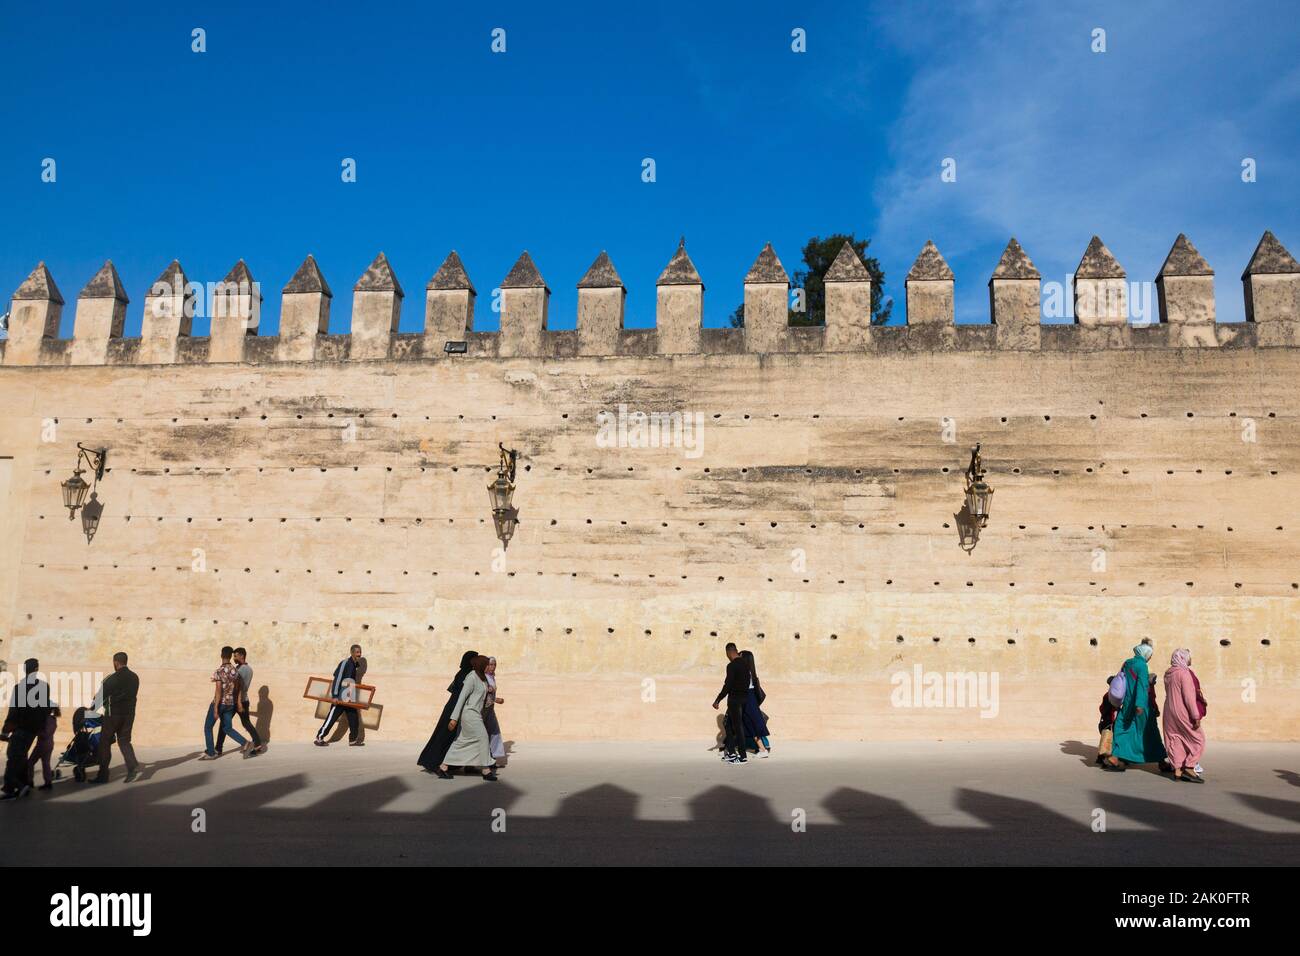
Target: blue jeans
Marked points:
227	715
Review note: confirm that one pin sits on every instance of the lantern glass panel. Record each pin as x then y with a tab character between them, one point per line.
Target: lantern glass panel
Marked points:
500	492
74	492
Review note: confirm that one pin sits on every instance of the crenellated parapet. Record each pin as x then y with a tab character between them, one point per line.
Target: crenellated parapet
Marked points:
1096	300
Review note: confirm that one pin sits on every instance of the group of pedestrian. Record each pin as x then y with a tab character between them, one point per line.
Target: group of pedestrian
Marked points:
745	725
1129	732
467	734
231	682
32	720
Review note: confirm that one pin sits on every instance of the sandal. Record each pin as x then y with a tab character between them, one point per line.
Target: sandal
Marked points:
442	774
491	776
1191	777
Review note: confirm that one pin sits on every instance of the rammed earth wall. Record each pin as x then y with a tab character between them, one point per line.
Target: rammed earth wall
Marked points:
298	498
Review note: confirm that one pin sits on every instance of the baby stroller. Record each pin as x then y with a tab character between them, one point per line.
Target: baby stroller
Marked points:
84	746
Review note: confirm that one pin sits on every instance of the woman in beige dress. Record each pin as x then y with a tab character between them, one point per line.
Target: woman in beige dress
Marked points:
471	747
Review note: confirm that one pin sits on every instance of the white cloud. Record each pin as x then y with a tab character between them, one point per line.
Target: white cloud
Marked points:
1054	142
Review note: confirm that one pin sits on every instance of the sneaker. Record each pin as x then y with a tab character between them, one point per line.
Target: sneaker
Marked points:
251	753
356	743
9	795
320	743
25	790
765	754
131	777
208	757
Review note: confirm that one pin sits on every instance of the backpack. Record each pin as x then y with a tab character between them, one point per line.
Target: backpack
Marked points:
1118	689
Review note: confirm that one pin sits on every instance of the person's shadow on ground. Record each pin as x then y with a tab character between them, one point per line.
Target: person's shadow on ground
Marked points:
263	713
1077	748
147	767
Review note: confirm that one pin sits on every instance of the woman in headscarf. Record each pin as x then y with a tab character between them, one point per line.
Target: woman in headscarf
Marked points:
440	742
1137	737
753	718
1184	708
490	700
471	747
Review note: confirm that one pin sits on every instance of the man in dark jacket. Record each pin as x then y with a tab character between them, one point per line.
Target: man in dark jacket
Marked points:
29	708
117	703
351	671
735	688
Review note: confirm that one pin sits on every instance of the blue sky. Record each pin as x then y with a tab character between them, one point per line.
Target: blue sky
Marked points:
164	153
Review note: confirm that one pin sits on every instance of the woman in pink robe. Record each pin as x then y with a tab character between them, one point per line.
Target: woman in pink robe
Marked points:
1184	708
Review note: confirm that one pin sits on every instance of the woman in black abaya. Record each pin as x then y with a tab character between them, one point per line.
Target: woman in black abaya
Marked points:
436	749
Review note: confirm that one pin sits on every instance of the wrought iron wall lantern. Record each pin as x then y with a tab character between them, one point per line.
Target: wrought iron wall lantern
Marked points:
979	496
974	514
76	487
500	492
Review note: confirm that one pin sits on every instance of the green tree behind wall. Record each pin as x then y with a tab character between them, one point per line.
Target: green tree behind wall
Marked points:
818	254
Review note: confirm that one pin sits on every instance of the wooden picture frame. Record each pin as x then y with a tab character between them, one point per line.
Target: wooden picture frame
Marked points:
370	717
318	688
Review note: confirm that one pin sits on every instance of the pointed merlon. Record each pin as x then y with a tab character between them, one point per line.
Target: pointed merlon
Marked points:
524	275
766	268
238	275
1184	260
929	264
1015	263
680	270
451	276
39	285
601	275
1098	263
847	267
1270	258
173	277
379	277
105	284
308	278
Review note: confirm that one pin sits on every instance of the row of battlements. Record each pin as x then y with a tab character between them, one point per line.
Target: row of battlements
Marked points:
1184	289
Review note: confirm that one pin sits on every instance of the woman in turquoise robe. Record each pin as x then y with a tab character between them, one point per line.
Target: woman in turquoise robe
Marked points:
1137	733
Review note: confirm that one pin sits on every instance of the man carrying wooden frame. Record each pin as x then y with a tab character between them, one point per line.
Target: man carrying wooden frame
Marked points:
343	698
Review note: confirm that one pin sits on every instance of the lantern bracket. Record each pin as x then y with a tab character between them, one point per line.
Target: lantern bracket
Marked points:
975	471
508	458
95	459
